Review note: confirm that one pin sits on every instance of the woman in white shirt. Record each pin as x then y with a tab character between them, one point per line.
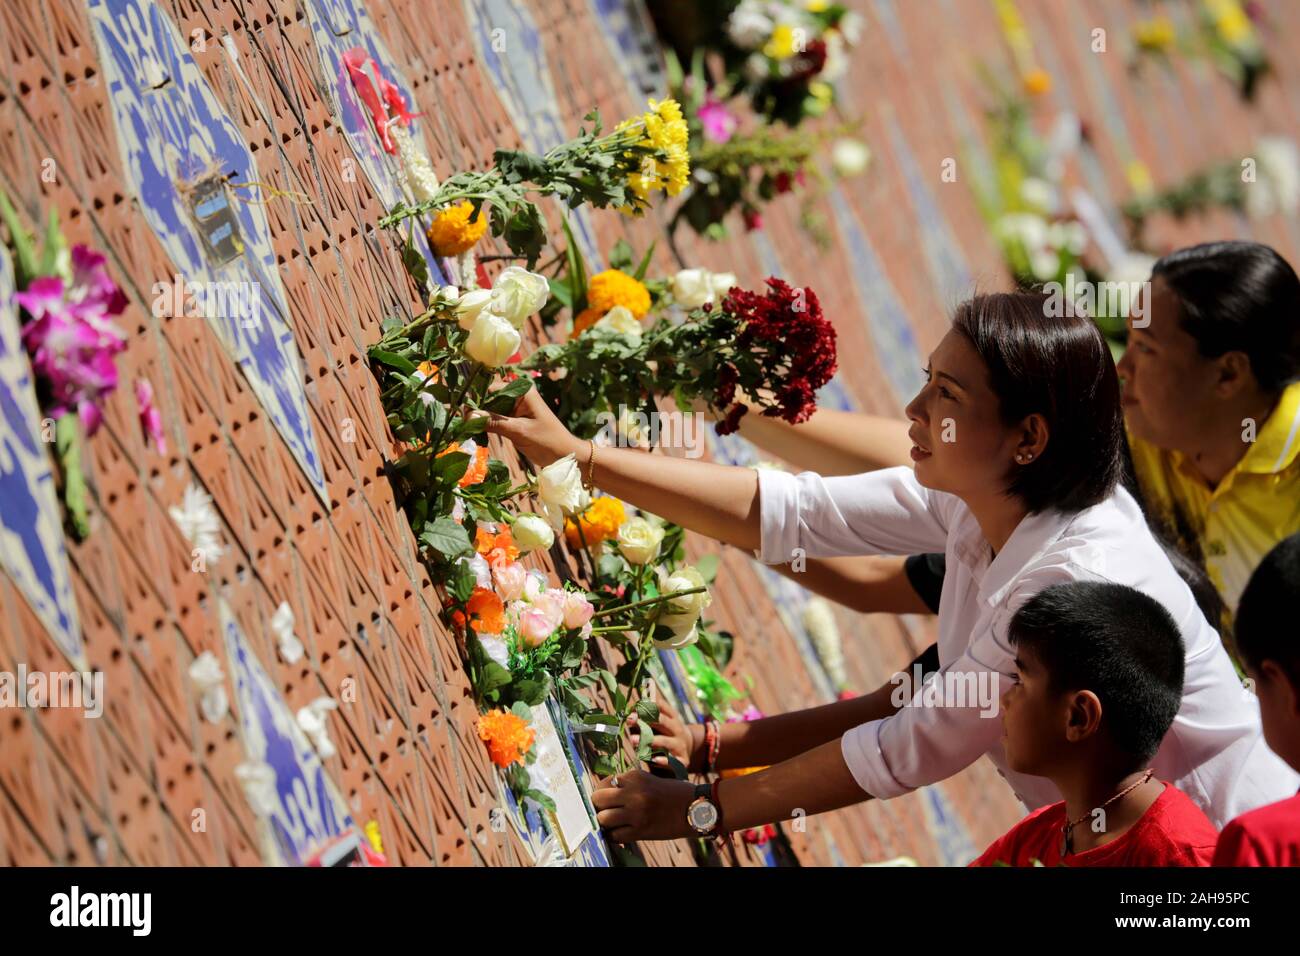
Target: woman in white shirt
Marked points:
1017	448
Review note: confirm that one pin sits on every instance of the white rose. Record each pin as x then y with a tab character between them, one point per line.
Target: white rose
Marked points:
559	486
492	340
681	614
850	157
518	293
692	288
621	320
679	639
639	540
1039	194
532	533
469	305
748	26
721	283
1277	179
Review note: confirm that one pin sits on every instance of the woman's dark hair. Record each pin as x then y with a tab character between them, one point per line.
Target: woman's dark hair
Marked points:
1116	642
1059	368
1239	297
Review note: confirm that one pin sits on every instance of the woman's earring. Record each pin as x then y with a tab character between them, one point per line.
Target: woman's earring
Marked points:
1020	458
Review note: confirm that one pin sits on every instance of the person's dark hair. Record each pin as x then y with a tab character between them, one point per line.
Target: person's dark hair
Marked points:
1265	624
1239	297
1116	642
1061	369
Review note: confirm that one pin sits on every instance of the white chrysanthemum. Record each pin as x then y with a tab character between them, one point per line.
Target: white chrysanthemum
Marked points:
290	647
416	168
819	622
749	26
314	722
199	524
1277	179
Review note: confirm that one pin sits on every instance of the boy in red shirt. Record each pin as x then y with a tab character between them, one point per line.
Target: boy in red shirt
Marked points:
1269	645
1098	683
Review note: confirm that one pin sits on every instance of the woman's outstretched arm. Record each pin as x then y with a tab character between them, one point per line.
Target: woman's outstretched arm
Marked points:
833	442
720	501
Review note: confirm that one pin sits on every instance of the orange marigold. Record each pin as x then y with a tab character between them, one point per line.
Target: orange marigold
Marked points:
585	320
453	232
499	547
615	287
600	522
507	735
487	613
1038	82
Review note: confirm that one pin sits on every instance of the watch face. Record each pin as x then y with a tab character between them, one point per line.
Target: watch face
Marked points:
703	815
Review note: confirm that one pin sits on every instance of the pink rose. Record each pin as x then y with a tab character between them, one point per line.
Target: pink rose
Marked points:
577	609
534	585
509	580
535	626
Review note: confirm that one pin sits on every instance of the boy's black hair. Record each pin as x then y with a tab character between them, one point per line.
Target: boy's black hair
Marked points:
1239	297
1116	642
1060	368
1266	615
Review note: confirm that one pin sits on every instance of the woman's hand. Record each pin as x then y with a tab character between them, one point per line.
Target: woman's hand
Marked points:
640	806
535	431
683	741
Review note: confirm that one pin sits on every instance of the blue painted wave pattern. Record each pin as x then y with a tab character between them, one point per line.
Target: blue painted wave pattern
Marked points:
32	550
177	133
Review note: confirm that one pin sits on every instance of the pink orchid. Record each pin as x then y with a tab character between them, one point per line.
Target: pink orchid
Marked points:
71	337
719	123
150	416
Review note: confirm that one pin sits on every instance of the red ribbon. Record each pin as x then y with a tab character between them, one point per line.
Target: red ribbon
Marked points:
356	60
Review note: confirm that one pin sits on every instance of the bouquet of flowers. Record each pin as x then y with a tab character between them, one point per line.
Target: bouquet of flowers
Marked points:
1040	238
621	168
1263	183
708	338
737	168
784	55
1224	33
70	302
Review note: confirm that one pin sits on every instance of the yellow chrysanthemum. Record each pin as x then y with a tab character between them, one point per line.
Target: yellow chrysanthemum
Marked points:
453	232
1233	24
669	169
600	522
507	735
1155	34
1038	82
615	287
780	45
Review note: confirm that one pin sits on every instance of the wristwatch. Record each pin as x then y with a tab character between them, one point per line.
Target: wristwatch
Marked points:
702	815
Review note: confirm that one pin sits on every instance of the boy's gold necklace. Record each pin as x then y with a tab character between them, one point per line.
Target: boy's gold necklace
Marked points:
1067	828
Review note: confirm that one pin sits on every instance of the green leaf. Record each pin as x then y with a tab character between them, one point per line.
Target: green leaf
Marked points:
708	567
522	711
24	248
461	582
504	399
416	267
446	537
494	676
449	469
644	264
533	691
620	257
393	360
55	245
67	445
647	711
541	798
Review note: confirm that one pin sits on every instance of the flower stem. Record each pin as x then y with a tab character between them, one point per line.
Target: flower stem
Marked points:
653	600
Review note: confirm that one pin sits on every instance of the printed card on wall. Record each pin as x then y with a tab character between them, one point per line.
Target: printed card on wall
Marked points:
552	774
32	551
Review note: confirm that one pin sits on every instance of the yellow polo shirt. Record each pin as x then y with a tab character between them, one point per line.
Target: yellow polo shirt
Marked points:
1233	526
